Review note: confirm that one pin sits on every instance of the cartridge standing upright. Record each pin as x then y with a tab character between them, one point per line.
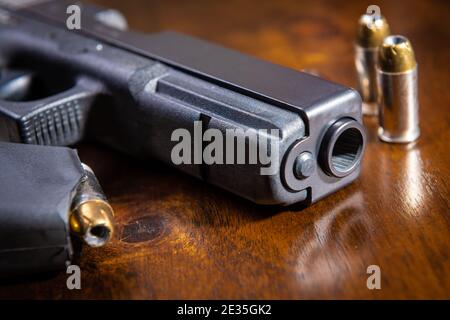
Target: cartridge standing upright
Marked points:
398	91
371	31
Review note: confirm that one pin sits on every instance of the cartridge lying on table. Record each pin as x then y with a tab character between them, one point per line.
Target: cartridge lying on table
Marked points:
42	188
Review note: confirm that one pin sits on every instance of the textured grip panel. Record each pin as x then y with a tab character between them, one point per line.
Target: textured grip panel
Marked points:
57	120
59	124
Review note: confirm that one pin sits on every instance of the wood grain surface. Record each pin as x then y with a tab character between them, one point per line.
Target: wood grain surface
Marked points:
179	238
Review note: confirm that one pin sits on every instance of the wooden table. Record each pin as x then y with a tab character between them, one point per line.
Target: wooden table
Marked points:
180	238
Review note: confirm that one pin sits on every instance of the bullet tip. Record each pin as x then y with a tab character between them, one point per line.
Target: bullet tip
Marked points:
371	31
396	54
92	220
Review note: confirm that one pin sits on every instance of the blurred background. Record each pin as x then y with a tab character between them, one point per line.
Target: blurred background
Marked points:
315	35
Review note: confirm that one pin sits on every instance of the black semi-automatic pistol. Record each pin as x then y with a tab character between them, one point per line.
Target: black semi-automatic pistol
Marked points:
145	94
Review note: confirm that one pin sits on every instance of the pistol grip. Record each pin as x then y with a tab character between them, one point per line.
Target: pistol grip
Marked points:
59	119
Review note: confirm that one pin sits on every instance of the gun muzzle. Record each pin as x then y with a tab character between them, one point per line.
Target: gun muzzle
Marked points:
397	91
370	34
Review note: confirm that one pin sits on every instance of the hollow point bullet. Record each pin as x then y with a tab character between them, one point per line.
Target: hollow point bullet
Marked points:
397	91
92	216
